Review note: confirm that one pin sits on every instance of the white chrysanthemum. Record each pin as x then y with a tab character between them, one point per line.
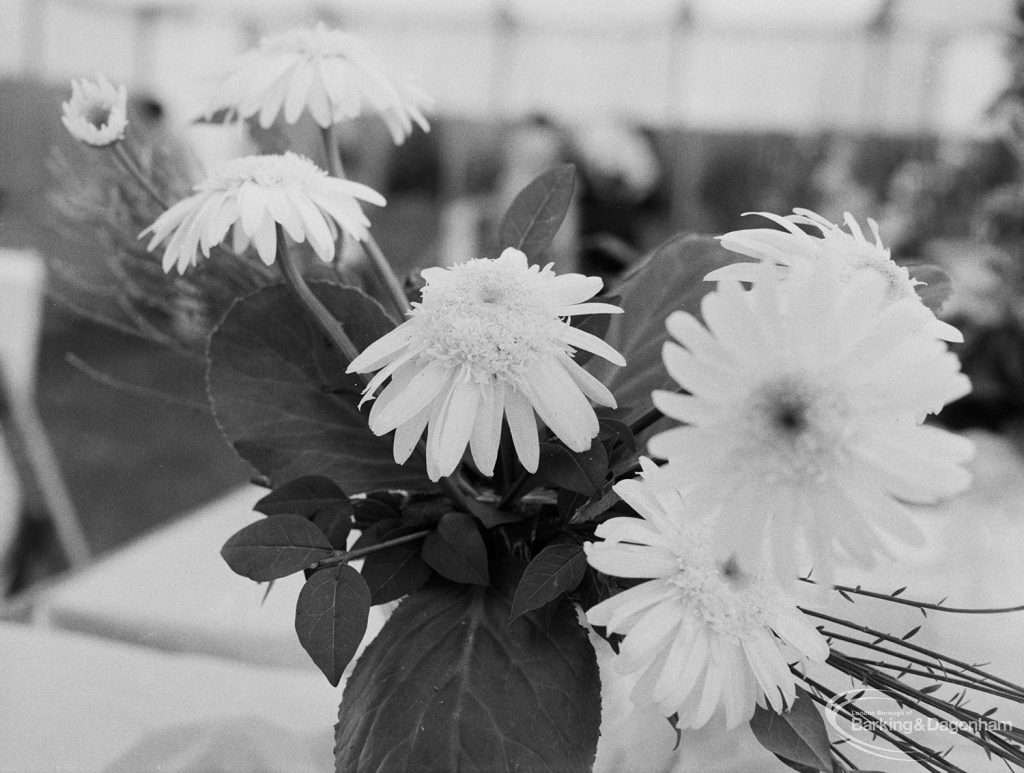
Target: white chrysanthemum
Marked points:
329	73
806	397
97	112
700	633
251	196
854	254
488	339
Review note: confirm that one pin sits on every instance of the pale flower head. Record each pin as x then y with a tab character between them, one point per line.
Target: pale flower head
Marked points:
853	253
803	419
700	634
489	339
97	112
328	73
251	196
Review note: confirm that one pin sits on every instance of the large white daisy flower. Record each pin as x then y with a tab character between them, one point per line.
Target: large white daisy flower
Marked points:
97	112
806	396
700	634
251	196
488	339
329	73
795	248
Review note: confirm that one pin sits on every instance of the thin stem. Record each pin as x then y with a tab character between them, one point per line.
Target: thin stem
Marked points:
132	168
925	605
352	555
913	647
330	326
381	266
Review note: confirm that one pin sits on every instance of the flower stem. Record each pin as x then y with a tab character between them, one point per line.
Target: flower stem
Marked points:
133	170
925	605
379	262
330	326
351	555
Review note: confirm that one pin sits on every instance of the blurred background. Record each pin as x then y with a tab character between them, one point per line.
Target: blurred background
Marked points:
679	114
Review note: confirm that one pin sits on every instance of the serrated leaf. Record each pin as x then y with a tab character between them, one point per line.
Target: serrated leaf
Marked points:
537	212
302	496
583	473
555	571
393	572
275	547
459	688
283	400
456	550
670	279
937	286
797	735
330	618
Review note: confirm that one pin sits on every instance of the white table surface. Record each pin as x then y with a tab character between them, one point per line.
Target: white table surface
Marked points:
71	702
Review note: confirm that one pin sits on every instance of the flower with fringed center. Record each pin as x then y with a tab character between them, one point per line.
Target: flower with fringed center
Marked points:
488	340
328	73
97	112
803	420
700	633
796	249
251	196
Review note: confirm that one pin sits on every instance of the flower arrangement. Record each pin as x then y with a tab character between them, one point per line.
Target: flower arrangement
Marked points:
679	468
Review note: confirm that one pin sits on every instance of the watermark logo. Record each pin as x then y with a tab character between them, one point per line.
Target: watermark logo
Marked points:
865	717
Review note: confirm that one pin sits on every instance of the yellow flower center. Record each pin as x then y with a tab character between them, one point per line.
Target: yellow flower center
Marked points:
722	596
486	318
793	430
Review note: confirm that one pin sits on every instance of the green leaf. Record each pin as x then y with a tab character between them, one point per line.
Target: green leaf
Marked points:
317	498
583	473
275	547
282	398
330	618
393	572
456	550
537	212
672	278
449	684
556	570
798	735
937	285
302	496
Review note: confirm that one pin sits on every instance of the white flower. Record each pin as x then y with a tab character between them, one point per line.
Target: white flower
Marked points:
805	401
253	195
488	339
700	633
329	73
97	112
795	248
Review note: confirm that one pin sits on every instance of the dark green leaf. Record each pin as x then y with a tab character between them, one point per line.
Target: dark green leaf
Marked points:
302	496
490	516
556	570
797	735
456	550
330	618
937	286
393	572
458	687
275	547
316	498
672	278
536	213
377	532
281	396
583	473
